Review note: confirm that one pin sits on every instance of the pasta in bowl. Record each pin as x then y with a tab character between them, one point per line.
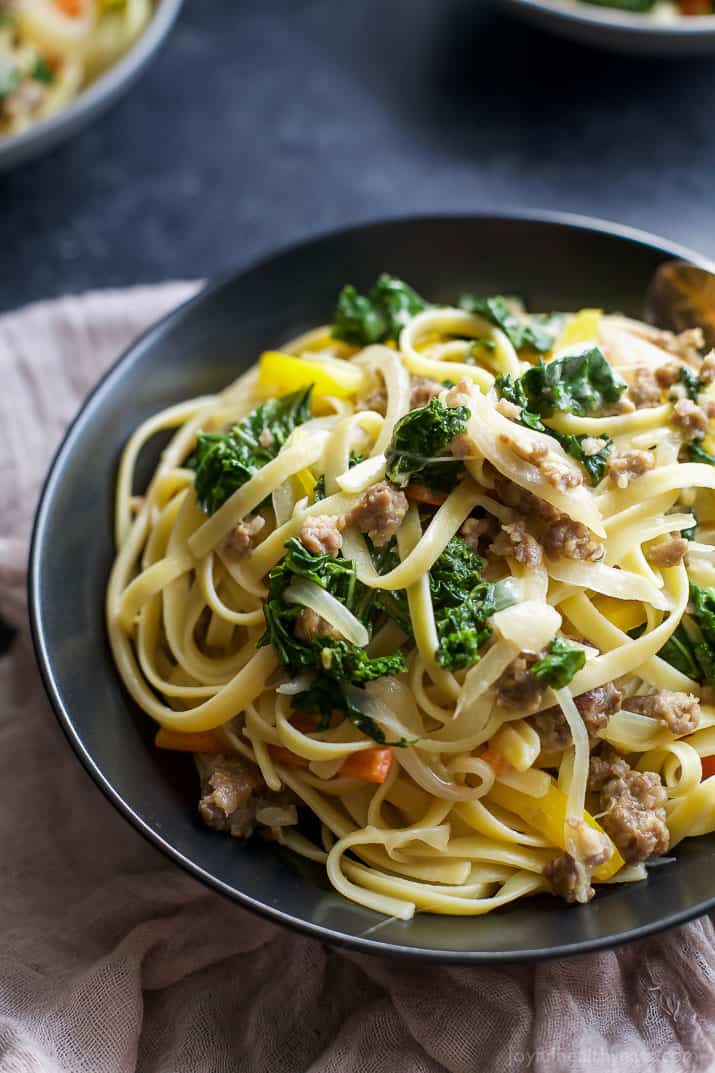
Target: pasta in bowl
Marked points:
51	50
428	593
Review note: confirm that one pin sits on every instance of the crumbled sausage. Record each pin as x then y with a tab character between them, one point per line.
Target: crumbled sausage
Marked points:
459	395
644	389
679	711
234	797
322	534
591	445
596	706
228	792
571	540
690	418
528	450
474	529
669	553
240	541
560	477
309	625
518	688
668	374
630	466
515	542
423	389
379	512
568	880
686	345
631	806
266	438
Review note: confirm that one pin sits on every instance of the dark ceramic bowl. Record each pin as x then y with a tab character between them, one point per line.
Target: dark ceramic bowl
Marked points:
620	31
554	262
96	98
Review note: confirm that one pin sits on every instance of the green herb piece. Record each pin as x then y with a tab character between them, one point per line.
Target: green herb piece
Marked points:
697	453
640	7
691	648
224	461
689	534
381	315
463	630
420	438
690	381
455	574
562	661
319	490
539	332
42	72
579	383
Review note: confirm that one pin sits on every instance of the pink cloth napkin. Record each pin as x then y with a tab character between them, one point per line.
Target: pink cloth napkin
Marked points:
112	960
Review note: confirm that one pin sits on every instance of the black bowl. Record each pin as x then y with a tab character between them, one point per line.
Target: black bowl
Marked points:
554	262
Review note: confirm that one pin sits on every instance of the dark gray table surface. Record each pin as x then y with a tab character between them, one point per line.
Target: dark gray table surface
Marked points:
266	120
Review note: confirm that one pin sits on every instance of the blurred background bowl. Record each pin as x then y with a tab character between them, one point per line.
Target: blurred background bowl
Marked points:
619	31
96	98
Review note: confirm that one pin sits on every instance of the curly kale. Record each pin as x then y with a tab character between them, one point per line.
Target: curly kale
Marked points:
539	332
378	316
421	437
224	461
462	628
562	661
691	648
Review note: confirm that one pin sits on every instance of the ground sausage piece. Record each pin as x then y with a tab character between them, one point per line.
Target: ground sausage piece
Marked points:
595	706
535	453
228	791
509	410
514	542
463	446
690	418
591	445
644	389
568	880
631	806
460	395
571	540
423	389
679	711
240	541
518	688
668	374
512	495
309	625
379	512
476	528
669	553
266	438
560	477
629	466
377	401
321	534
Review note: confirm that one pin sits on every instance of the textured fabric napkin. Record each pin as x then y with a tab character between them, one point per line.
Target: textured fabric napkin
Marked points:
112	960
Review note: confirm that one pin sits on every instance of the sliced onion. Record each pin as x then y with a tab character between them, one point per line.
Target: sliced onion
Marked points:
579	774
296	685
308	594
530	626
609	581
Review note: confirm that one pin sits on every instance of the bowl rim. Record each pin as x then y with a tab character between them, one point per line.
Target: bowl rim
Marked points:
629	22
102	90
103	386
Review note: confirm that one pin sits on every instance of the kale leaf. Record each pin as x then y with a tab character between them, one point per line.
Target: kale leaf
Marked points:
319	491
639	6
691	648
690	381
337	661
457	572
224	461
539	332
42	72
462	629
419	438
580	383
697	453
561	662
9	81
594	464
381	315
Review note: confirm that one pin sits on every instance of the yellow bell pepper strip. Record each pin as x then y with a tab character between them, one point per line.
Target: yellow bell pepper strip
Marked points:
305	483
582	329
547	815
280	373
625	614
